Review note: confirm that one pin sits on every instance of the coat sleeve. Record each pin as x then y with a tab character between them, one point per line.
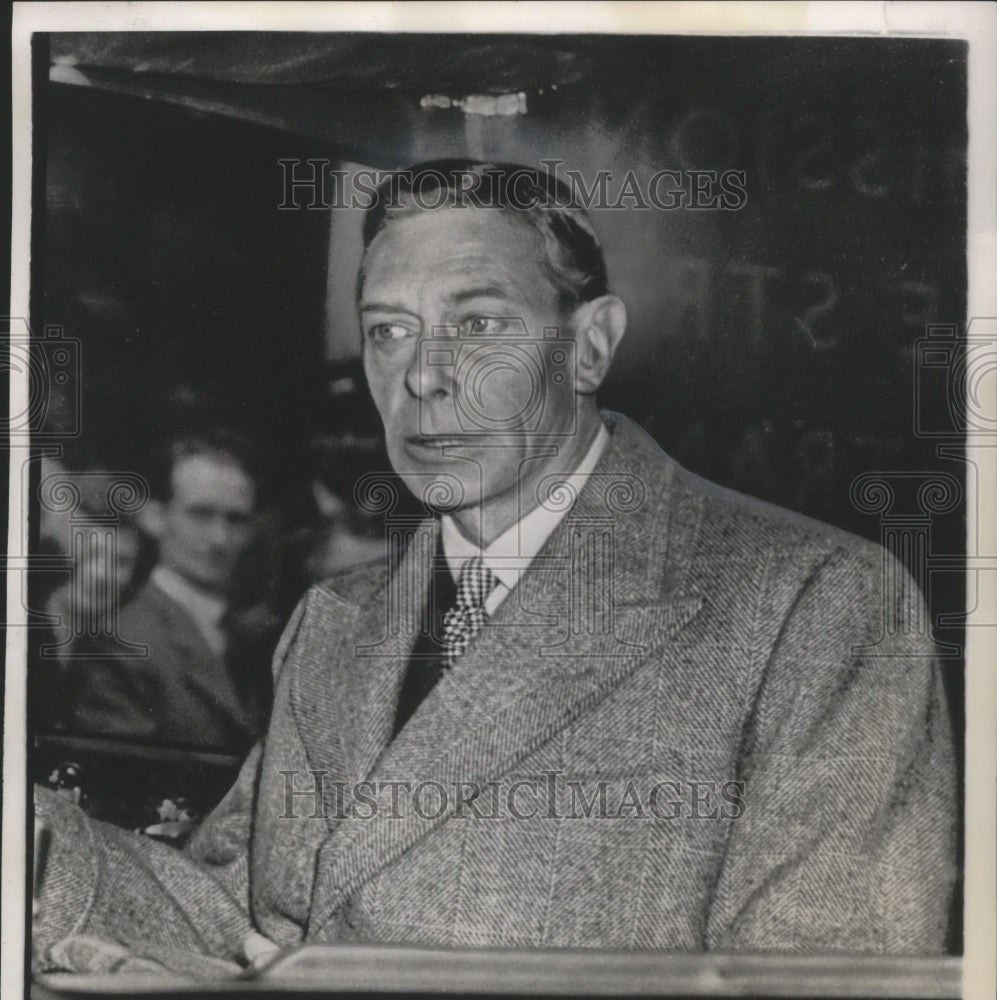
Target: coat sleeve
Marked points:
106	891
847	838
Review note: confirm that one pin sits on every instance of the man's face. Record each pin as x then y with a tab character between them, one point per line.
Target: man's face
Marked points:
97	576
206	524
468	355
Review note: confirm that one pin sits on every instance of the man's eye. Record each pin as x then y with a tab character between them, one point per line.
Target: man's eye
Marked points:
388	331
484	326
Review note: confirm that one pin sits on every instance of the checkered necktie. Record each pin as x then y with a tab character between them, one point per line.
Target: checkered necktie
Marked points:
464	620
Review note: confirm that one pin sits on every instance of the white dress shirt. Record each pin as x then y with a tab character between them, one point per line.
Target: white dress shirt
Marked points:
206	609
513	551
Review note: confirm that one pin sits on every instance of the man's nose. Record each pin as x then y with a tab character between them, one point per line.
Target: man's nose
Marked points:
430	372
223	533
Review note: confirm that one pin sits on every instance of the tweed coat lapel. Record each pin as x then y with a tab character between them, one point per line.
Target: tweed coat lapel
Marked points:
588	611
351	656
380	646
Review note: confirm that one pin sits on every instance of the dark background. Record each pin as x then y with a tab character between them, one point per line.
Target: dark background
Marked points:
772	348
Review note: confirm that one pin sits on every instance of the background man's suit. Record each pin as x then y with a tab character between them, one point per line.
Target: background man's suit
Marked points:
732	654
183	692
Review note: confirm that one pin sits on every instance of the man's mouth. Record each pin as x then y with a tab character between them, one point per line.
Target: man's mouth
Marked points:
441	440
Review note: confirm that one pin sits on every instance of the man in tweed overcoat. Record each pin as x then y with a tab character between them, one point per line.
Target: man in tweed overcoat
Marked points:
688	721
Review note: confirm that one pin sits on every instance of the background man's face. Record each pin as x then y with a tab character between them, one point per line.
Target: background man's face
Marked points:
207	522
114	576
469	358
96	576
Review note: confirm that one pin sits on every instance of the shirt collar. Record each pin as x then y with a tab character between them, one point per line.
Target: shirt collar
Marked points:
514	550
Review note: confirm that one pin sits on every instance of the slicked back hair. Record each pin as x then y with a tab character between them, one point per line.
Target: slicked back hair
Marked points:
574	257
218	444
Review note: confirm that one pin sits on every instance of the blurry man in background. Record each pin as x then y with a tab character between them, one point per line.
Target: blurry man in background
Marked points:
205	681
100	579
338	532
97	572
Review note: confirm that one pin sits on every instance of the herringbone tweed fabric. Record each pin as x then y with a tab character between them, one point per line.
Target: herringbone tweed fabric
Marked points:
758	669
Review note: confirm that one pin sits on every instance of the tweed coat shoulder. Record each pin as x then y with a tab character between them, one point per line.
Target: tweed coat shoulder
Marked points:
699	722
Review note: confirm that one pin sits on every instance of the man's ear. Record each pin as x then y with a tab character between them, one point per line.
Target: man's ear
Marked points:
152	518
599	326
